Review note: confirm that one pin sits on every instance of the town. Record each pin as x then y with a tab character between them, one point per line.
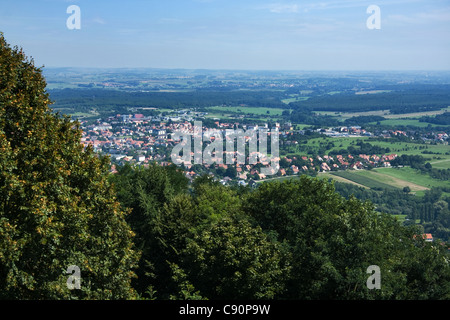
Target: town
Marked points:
141	140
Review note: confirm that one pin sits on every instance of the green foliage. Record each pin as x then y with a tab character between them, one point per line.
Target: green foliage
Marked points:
306	116
405	98
441	119
333	240
188	238
56	206
233	260
107	100
360	120
150	193
431	209
296	239
408	160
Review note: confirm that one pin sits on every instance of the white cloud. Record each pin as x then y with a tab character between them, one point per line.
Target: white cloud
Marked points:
170	20
283	8
312	5
441	15
421	18
99	20
307	6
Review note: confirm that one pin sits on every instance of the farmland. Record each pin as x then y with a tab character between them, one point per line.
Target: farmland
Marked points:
388	178
384	113
437	154
233	112
412	176
360	177
339	178
405	122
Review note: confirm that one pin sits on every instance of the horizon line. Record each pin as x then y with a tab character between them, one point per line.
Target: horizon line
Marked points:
248	70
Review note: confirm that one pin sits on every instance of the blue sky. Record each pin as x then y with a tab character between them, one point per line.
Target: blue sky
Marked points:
230	34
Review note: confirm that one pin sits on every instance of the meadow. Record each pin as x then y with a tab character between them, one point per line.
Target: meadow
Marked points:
338	178
388	178
412	118
438	155
413	176
395	122
246	110
363	179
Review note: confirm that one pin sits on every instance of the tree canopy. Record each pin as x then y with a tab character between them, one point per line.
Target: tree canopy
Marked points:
296	239
57	208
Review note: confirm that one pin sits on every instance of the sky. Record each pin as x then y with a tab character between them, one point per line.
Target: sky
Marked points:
232	34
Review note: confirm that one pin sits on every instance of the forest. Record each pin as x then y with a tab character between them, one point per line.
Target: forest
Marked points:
107	100
440	119
402	100
431	210
296	239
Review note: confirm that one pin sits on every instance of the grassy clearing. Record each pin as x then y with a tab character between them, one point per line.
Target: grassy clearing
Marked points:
362	179
388	178
417	114
439	156
391	180
413	176
294	98
372	91
406	122
401	217
77	114
347	115
441	164
386	114
399	148
327	175
300	126
278	179
247	110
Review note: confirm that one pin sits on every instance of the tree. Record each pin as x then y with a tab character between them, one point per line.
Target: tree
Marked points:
231	172
333	240
149	194
233	260
57	208
213	202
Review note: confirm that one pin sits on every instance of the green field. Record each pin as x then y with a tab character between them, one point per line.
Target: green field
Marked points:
388	178
401	218
340	143
328	175
406	122
439	158
411	117
362	179
417	114
294	98
246	110
441	164
397	182
413	176
382	178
